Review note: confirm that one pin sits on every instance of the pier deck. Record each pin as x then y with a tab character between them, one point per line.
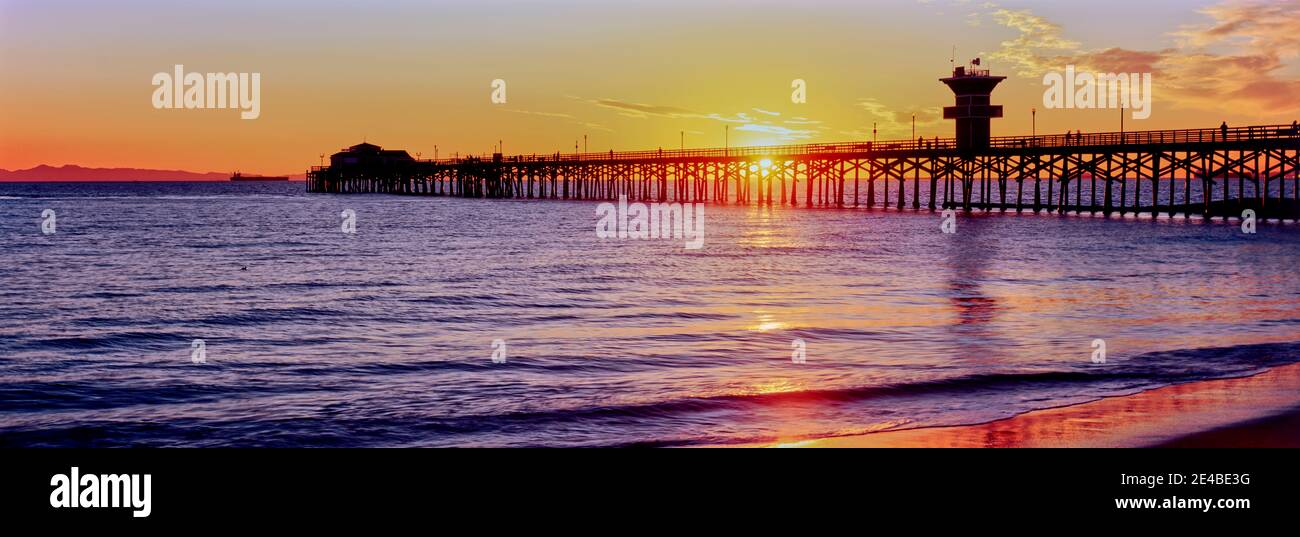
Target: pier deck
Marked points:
1209	172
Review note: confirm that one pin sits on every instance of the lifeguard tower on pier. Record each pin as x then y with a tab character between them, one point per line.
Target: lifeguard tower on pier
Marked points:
973	87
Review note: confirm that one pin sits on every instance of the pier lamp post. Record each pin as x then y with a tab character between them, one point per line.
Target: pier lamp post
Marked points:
873	133
726	140
584	143
683	140
1033	122
322	159
913	126
435	151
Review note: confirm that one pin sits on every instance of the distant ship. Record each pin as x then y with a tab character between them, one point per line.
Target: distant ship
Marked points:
240	177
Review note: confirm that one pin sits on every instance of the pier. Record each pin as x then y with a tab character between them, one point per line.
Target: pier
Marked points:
1208	172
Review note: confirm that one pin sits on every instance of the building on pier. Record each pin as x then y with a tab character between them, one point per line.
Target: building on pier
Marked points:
364	167
974	110
366	155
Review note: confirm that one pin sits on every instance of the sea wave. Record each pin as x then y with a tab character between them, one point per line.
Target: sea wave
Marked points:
1134	374
1139	372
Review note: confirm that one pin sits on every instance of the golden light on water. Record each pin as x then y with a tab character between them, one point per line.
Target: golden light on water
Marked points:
765	229
766	323
799	444
774	386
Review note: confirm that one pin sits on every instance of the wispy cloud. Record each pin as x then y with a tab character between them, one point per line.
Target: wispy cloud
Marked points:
784	133
744	121
1235	60
896	121
594	126
643	110
571	119
1266	28
801	121
543	114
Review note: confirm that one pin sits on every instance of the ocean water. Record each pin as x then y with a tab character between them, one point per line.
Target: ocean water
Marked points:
385	337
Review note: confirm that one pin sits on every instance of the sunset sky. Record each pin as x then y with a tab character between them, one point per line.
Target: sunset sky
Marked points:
76	85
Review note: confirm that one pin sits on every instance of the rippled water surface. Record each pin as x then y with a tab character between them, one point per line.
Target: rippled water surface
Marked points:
385	338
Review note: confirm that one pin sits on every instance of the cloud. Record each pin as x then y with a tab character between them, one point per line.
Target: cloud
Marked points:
894	122
560	115
738	118
801	121
594	126
744	121
784	133
1028	52
543	114
1236	60
1268	28
643	110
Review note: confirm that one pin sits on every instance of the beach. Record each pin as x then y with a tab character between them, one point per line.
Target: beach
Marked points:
1261	410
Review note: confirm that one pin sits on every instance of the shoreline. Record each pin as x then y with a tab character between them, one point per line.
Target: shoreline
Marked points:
1260	410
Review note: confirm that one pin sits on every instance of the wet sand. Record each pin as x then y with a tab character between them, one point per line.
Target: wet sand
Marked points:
1257	411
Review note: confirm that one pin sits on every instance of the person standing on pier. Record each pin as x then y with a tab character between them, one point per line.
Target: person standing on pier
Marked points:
1224	129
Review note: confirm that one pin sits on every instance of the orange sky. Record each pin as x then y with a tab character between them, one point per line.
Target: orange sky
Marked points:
412	75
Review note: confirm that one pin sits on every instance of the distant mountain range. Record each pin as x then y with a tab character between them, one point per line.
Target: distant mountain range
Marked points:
73	172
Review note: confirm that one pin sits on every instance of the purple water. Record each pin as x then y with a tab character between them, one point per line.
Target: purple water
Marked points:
314	337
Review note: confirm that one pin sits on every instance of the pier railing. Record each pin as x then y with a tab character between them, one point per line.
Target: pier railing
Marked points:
1092	139
1186	136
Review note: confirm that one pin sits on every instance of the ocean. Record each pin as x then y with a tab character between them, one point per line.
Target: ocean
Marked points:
240	314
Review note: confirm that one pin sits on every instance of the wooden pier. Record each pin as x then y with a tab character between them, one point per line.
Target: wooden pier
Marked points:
1209	172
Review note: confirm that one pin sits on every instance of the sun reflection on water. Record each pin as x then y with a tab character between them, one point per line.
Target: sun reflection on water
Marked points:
766	322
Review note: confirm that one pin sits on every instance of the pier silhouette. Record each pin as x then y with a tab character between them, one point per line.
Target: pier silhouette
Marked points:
1211	172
